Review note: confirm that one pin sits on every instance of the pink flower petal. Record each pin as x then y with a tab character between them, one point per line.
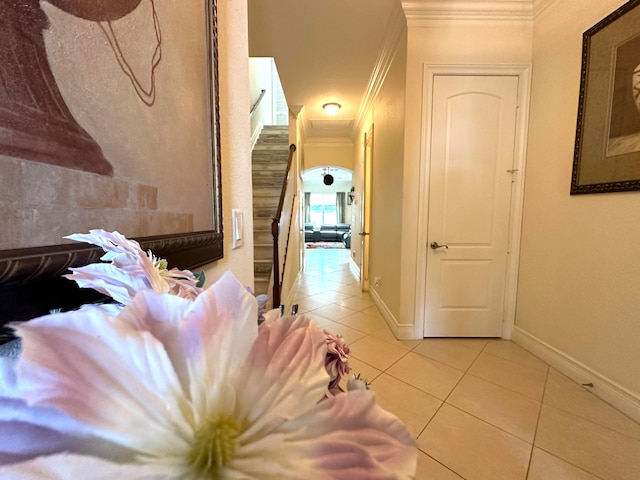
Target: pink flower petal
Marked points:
161	316
350	437
100	371
67	466
109	280
284	374
217	335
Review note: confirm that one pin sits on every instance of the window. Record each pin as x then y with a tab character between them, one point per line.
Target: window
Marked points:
323	208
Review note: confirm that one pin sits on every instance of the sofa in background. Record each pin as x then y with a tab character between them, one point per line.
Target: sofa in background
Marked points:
328	233
309	233
334	233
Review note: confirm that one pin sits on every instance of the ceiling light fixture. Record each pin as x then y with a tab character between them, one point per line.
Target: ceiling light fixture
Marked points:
331	108
327	178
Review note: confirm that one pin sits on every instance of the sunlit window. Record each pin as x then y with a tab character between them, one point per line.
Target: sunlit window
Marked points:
323	209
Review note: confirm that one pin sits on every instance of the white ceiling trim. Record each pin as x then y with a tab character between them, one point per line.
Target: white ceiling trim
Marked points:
329	142
432	12
540	6
329	124
397	25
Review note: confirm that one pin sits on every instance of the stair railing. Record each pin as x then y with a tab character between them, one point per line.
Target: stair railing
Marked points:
276	223
256	115
255	105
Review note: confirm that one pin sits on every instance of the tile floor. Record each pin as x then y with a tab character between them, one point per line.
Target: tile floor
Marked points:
480	409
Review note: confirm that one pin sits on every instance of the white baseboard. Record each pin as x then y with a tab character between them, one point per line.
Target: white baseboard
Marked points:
608	390
256	133
291	294
401	331
353	266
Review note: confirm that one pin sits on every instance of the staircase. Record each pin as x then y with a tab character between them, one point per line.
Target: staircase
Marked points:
269	164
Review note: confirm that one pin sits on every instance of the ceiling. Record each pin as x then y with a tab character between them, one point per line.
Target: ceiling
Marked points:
327	50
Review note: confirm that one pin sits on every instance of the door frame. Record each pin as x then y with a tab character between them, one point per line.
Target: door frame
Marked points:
365	208
523	72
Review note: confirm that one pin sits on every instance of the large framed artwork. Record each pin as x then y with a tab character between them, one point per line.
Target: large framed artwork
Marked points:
607	146
109	119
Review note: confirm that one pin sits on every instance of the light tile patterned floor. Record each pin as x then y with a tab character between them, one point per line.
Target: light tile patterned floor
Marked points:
480	409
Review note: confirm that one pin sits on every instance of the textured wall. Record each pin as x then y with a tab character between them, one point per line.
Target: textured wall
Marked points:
579	262
156	139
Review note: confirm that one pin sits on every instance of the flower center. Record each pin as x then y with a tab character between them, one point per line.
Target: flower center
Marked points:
214	445
161	264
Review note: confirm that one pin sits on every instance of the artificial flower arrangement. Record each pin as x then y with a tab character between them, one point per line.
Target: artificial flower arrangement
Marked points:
180	382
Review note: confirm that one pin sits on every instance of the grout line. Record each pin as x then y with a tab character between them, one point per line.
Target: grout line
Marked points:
443	465
535	431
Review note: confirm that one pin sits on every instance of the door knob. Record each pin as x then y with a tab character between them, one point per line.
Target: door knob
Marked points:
436	245
363	234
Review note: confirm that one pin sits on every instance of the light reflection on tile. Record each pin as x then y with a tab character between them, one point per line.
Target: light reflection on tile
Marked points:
432	377
474	449
475	406
545	466
519	378
591	447
412	406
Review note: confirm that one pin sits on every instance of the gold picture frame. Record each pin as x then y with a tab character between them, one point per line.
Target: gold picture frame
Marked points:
607	145
30	278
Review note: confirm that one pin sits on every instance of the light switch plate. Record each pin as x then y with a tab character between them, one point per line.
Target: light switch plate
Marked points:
236	228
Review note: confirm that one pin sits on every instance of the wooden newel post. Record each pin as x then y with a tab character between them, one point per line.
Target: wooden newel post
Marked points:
275	231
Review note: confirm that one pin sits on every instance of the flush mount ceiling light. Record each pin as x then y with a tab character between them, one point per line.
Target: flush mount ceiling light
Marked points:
331	108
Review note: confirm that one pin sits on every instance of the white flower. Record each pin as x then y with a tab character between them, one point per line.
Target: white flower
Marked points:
169	388
130	270
356	382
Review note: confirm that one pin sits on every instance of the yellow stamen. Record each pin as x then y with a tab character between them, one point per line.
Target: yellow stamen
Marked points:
214	445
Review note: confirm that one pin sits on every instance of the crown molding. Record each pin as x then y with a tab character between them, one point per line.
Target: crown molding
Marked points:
539	6
329	142
422	13
397	25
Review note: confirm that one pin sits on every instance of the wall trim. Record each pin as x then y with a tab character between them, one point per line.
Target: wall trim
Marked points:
426	13
539	6
256	134
354	267
402	331
291	294
604	388
395	28
329	142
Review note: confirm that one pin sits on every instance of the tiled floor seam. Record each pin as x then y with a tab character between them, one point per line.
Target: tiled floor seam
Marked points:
599	424
535	432
443	465
595	475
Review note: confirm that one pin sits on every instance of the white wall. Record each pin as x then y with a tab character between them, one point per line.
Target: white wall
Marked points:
261	78
235	139
329	153
580	263
387	118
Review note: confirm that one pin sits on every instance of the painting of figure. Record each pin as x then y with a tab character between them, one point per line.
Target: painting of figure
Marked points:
624	128
105	119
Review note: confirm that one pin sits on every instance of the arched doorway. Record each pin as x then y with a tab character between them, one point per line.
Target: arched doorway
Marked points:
327	207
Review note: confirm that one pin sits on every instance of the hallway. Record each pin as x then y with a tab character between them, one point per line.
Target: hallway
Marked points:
481	409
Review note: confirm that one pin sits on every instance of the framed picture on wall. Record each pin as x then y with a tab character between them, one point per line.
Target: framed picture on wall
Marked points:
607	145
109	119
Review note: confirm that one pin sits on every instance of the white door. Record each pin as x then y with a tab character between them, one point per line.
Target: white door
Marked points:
365	211
471	173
